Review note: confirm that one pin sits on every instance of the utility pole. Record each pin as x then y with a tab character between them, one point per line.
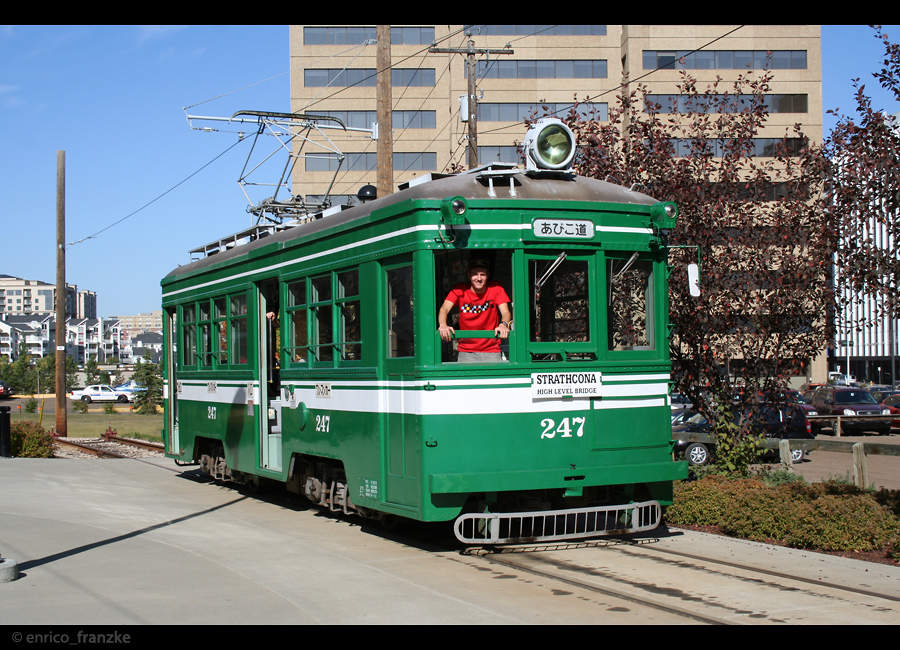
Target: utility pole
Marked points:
384	100
470	53
61	422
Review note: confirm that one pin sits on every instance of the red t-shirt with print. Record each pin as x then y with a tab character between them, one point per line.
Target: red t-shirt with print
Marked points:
478	313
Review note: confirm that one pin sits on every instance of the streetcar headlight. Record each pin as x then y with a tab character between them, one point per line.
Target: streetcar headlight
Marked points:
549	144
453	210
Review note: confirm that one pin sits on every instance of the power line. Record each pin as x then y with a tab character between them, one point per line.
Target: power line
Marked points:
149	203
630	81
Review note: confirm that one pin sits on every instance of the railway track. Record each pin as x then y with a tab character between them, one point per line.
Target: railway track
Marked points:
725	586
109	445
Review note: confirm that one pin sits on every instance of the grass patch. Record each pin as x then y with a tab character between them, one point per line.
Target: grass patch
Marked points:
95	422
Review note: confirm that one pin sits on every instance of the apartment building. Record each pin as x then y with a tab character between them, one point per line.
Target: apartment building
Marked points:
20	297
136	324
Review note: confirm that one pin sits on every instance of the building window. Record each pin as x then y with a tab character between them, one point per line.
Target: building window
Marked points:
762	147
774	103
366	77
537	30
359	35
488	112
400	119
410	161
499	154
519	69
724	59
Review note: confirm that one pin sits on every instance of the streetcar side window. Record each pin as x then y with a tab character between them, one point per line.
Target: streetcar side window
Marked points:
347	304
214	332
400	312
204	327
221	328
323	316
630	304
189	335
298	335
238	322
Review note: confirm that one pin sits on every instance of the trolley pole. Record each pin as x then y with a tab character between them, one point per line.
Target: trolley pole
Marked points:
470	53
384	99
61	422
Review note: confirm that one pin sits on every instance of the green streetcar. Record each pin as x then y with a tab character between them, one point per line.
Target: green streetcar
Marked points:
310	355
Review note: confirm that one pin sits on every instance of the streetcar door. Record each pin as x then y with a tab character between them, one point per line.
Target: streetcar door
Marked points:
269	368
172	385
398	399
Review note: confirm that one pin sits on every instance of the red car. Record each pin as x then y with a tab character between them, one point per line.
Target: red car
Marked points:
893	403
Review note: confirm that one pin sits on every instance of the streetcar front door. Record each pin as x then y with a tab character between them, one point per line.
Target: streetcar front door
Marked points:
269	368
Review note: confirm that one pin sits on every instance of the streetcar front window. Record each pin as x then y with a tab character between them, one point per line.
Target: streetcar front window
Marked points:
630	304
560	300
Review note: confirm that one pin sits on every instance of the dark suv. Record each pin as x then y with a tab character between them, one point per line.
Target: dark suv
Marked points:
774	420
839	400
5	391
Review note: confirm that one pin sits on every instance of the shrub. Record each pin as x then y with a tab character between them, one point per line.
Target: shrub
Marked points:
829	516
30	440
79	407
109	408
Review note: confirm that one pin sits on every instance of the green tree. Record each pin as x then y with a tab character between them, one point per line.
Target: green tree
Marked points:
149	375
46	370
91	371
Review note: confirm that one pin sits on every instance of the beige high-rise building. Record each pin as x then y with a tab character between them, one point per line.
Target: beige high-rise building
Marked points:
520	69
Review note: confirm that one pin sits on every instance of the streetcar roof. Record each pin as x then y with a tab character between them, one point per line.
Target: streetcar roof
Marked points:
481	183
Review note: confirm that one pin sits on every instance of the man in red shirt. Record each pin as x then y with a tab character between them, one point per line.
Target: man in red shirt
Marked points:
483	305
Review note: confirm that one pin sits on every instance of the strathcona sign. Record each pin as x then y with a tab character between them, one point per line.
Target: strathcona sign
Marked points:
565	384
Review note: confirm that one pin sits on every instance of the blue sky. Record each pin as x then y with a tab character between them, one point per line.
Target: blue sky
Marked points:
111	97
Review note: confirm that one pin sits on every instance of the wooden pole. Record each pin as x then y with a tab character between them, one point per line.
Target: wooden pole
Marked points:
384	99
61	422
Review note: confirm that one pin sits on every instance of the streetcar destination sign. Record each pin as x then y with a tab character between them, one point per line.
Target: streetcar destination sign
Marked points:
565	384
563	228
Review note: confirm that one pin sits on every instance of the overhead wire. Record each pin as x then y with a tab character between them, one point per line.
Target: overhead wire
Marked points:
149	203
343	89
630	81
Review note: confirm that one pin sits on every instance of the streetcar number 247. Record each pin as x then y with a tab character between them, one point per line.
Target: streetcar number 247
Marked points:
566	428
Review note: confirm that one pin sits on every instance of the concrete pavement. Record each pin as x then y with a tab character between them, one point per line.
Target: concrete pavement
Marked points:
143	542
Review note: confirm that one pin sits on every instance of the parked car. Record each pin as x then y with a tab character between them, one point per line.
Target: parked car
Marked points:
680	402
130	387
774	420
100	393
837	400
893	404
5	391
682	416
882	393
795	397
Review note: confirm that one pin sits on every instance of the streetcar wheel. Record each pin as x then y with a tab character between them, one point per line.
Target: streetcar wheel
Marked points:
697	454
